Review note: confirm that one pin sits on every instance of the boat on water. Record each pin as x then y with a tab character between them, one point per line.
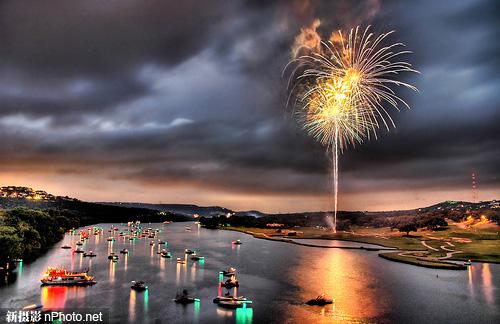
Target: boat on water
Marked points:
65	247
90	254
232	304
161	242
230	283
197	257
184	298
79	250
79	243
180	261
187	251
229	272
321	300
139	285
188	228
152	243
237	242
33	307
110	239
228	298
124	251
61	277
166	254
112	256
467	263
161	251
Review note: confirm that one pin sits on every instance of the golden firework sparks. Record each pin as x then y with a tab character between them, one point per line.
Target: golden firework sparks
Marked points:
344	89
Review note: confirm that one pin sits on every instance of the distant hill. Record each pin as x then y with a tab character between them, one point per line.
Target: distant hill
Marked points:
180	209
90	213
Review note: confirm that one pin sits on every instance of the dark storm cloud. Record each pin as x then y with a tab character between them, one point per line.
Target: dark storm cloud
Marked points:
167	92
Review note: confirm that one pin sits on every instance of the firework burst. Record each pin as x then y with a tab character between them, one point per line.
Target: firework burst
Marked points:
341	91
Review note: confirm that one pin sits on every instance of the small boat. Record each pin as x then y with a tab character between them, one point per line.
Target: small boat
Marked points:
229	272
166	254
113	256
79	250
139	285
232	303
124	251
130	238
33	307
184	298
17	260
79	243
228	298
237	242
152	243
187	251
110	239
66	247
90	254
468	263
230	283
321	300
162	251
161	242
197	257
188	228
180	261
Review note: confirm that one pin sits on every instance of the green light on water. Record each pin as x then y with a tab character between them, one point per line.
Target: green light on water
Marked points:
244	315
20	271
146	300
202	261
221	277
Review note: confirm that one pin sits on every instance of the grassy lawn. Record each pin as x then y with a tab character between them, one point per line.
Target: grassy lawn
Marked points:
477	244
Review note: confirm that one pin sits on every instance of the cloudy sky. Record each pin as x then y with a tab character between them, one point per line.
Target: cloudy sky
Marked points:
183	102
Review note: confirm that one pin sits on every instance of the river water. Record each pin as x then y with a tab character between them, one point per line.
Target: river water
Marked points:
278	277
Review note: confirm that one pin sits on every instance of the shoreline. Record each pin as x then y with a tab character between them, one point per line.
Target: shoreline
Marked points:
442	265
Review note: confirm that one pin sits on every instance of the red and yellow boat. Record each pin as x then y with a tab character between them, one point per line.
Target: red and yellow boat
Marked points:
61	277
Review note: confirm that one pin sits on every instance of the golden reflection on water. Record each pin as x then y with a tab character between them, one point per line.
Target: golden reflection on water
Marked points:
487	286
471	282
131	306
343	276
126	262
112	271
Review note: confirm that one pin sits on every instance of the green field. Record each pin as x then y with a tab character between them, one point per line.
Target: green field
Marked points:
423	248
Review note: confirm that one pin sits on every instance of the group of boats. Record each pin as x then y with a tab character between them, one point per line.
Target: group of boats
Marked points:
229	300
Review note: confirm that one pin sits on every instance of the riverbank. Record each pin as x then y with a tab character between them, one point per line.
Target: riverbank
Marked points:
426	249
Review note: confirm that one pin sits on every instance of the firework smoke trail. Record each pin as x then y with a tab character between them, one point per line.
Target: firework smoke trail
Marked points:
341	90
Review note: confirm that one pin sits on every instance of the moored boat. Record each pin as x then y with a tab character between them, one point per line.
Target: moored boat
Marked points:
197	257
184	298
233	303
61	277
321	300
229	272
90	254
139	285
228	298
166	254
